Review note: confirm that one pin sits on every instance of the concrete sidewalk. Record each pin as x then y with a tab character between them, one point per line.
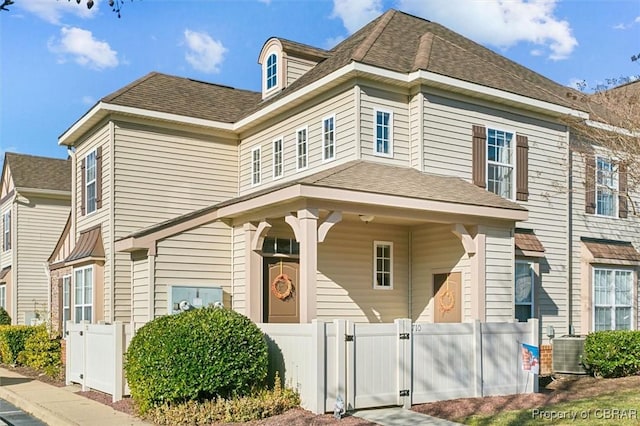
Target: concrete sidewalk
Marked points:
59	406
398	416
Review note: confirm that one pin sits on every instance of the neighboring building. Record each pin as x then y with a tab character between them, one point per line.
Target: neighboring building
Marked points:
35	198
407	172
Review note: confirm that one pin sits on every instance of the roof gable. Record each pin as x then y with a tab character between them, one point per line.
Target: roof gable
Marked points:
33	172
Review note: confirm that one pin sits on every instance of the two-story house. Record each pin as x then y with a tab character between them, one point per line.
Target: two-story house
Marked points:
35	194
407	172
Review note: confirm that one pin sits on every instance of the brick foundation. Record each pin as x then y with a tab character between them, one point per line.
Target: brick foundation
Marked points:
546	360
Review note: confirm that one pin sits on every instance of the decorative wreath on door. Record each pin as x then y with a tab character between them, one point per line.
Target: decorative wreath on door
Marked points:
282	286
447	299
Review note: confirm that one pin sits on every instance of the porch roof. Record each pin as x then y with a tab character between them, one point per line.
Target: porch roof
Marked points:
607	250
88	247
3	274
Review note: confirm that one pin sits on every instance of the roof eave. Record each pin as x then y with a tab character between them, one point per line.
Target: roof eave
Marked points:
47	193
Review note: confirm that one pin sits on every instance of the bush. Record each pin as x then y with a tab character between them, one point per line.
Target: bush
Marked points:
42	353
5	319
612	353
12	341
196	355
263	404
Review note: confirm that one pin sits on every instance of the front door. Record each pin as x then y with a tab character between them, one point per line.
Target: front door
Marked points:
447	289
281	286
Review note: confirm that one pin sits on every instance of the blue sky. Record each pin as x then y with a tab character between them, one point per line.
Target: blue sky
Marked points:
58	58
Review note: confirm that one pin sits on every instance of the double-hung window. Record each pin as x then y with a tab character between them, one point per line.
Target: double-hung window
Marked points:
384	133
302	156
91	182
83	300
3	296
613	299
66	301
6	235
255	166
277	158
500	163
328	139
606	187
382	264
524	291
272	71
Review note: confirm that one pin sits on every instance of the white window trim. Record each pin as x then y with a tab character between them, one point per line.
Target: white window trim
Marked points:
83	305
375	265
616	191
514	154
6	236
3	296
325	119
634	295
532	272
306	153
375	132
268	89
273	162
257	149
70	306
87	182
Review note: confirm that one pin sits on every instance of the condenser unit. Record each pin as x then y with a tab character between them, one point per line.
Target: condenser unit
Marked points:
567	354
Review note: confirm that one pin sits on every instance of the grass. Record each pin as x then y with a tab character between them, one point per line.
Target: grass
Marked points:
597	410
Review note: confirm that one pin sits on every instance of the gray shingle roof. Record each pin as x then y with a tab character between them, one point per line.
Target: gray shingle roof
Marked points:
30	171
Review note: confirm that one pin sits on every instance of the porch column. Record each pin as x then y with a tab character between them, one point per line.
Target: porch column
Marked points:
253	273
478	277
308	239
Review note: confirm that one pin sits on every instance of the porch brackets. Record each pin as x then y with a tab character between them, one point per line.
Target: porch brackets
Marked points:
260	233
323	229
468	242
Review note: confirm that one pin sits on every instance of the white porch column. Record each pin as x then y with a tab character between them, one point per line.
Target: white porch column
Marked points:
253	275
478	278
308	239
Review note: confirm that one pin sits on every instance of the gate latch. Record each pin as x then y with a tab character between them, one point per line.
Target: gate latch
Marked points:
404	392
348	337
404	336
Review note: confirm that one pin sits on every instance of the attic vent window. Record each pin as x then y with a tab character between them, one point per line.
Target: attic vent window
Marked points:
272	71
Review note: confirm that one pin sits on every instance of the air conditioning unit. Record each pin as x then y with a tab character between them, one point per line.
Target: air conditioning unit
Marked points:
567	354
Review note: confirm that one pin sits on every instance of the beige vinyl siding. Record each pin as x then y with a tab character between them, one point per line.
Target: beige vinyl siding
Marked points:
338	102
415	130
499	284
198	257
592	226
296	67
101	137
447	150
435	250
345	274
140	287
398	104
238	270
39	223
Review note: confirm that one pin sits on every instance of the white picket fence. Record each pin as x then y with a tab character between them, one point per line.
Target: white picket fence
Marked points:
371	365
95	355
367	365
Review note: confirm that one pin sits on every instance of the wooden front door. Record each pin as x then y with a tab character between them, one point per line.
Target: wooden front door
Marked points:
281	286
447	290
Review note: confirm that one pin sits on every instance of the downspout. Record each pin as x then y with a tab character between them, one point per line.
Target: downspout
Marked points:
356	101
112	222
14	257
47	272
569	236
410	276
233	266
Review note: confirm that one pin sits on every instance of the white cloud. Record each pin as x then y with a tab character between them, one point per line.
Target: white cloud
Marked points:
355	13
577	83
637	20
53	10
84	49
332	42
620	27
501	23
205	54
88	100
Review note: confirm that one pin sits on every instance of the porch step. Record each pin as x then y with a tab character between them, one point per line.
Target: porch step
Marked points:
397	416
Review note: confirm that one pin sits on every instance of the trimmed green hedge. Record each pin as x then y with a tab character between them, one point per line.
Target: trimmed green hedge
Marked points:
42	353
12	341
5	319
612	353
195	356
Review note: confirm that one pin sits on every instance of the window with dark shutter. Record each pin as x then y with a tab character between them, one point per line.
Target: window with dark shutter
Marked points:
590	184
623	208
99	177
522	168
479	156
82	187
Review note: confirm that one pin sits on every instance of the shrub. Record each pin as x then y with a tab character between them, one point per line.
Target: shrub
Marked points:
12	341
193	356
262	404
5	319
612	353
42	353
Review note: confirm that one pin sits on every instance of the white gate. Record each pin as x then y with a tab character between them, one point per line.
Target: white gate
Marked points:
75	353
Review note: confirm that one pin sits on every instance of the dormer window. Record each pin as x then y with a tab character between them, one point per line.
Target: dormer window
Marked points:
272	71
